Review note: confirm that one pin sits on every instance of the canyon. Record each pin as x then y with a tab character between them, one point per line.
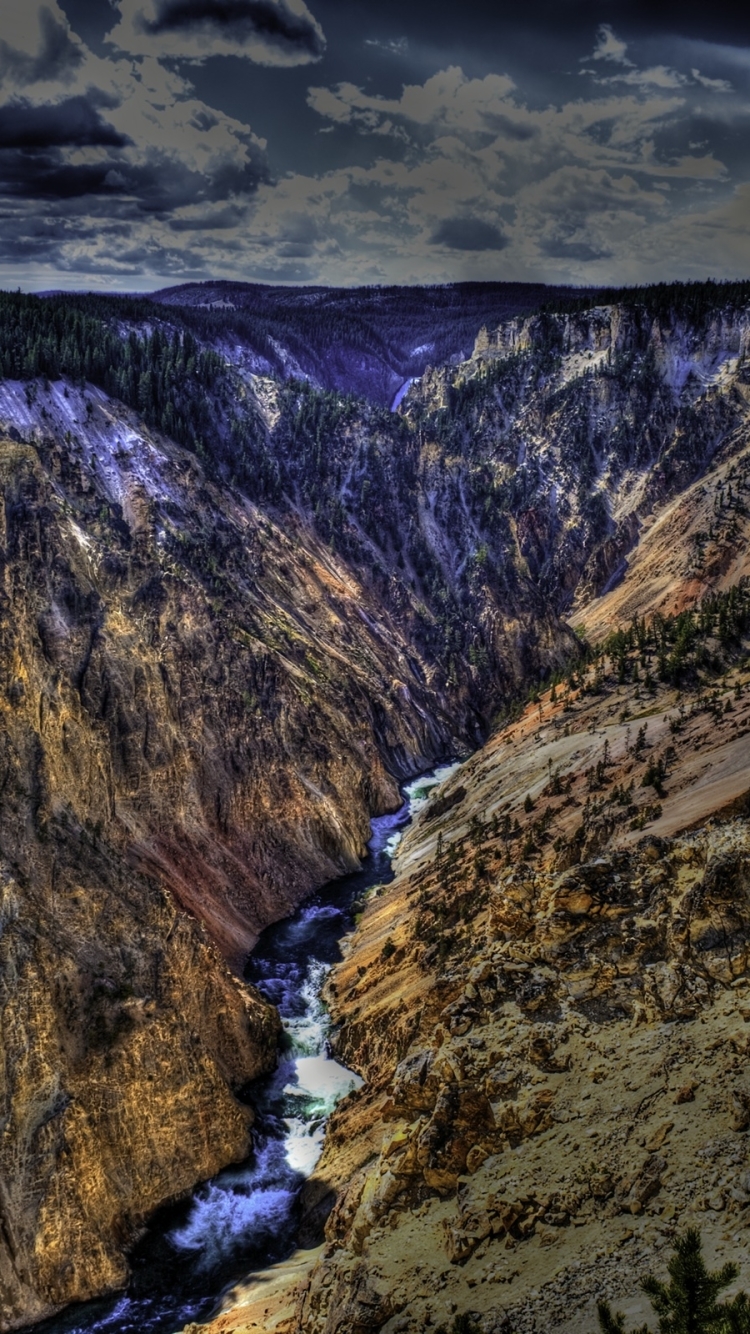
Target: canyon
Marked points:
220	658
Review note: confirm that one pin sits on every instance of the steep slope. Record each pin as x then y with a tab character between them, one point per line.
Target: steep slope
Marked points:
583	425
124	1045
691	547
221	681
549	1006
218	657
172	736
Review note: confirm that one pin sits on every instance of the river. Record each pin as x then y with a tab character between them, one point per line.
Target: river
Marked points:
246	1218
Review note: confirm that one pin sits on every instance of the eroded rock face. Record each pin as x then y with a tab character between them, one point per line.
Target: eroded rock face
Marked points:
124	1041
645	402
517	1139
196	679
180	761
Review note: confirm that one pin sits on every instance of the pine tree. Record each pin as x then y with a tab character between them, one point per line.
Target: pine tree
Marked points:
688	1303
613	1324
737	1315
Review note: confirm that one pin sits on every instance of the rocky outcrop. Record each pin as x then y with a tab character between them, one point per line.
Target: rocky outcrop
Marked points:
590	424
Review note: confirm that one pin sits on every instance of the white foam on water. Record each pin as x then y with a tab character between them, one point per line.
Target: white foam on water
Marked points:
304	1145
222	1218
242	1207
422	789
255	1202
392	844
322	1080
306	1035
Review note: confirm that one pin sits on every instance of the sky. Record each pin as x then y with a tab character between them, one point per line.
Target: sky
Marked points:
144	143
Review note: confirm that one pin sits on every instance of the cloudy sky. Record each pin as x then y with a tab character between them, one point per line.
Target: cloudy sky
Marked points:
148	142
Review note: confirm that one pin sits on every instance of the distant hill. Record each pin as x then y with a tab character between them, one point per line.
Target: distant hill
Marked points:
362	340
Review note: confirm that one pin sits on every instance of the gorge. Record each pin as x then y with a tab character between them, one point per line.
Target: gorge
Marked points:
240	608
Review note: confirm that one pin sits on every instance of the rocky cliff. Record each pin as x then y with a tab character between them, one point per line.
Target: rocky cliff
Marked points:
586	425
218	659
202	706
196	707
550	1008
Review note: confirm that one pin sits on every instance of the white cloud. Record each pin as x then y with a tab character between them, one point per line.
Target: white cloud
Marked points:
37	47
658	76
393	46
447	98
716	85
610	47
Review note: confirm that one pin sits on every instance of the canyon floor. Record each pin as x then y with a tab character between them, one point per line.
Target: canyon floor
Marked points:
551	1009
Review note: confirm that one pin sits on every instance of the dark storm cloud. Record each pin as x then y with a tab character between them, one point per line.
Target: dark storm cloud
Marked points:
237	21
57	58
74	121
42	175
269	32
159	186
468	234
565	140
40	159
23	236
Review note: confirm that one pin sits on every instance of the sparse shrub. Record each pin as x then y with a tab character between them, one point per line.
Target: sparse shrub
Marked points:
654	776
462	1324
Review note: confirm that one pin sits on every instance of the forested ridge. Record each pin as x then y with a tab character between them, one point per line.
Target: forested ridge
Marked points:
492	489
163	374
366	339
333	332
693	302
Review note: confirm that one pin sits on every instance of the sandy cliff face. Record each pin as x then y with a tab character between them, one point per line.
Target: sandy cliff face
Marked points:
124	1037
218	692
550	1007
124	1040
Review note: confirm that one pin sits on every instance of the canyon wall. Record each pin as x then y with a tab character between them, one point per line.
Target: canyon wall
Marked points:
211	679
180	761
549	1006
